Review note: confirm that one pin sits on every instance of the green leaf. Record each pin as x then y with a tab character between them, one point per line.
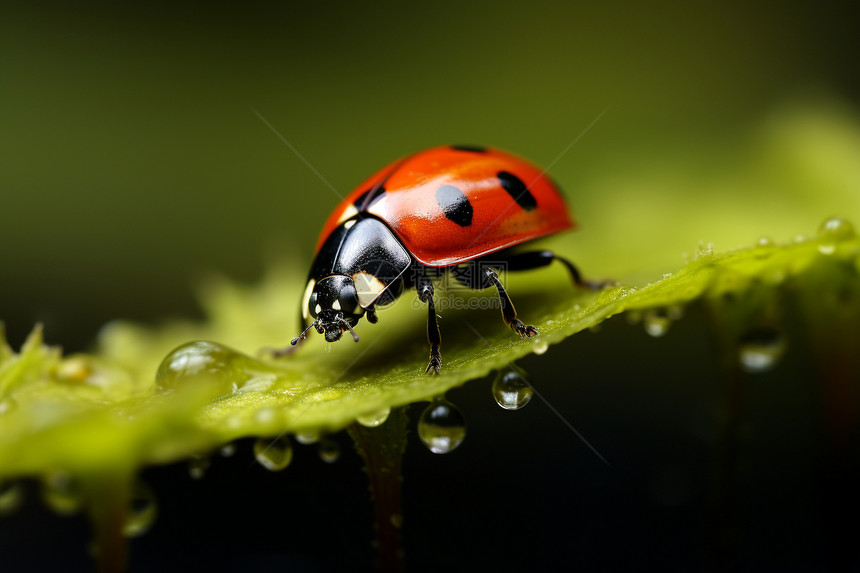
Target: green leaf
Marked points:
88	415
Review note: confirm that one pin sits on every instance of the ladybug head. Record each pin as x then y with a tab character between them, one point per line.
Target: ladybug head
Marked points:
333	303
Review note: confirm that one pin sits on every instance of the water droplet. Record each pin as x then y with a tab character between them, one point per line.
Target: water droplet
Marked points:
374	419
61	492
274	454
837	227
228	450
141	511
833	231
541	347
764	242
704	250
11	496
306	438
675	312
760	349
7	404
197	467
656	322
511	389
205	360
75	369
442	426
329	450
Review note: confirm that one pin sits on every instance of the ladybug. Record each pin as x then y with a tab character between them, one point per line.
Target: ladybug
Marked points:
450	209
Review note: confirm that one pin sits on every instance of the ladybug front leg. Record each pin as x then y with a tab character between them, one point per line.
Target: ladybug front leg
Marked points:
509	313
434	337
370	313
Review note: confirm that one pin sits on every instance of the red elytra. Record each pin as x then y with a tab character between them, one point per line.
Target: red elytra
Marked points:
499	218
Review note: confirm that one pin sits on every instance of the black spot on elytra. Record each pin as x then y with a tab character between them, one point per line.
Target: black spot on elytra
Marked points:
378	192
472	148
517	190
455	205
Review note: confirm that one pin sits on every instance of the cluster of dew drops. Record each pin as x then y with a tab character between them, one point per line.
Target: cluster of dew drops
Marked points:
762	346
441	426
62	493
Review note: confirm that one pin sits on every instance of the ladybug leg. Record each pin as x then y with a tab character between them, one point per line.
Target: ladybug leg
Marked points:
536	259
434	337
370	313
509	313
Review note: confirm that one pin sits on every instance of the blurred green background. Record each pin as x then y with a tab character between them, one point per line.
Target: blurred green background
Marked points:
132	162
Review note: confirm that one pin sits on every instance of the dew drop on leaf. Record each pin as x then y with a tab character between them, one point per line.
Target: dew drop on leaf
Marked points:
656	322
11	497
306	438
7	404
831	232
142	511
329	450
61	492
633	317
760	349
274	454
197	467
442	426
511	389
675	312
203	359
541	347
374	419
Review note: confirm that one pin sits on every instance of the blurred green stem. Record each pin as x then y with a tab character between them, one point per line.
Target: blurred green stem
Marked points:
108	496
382	449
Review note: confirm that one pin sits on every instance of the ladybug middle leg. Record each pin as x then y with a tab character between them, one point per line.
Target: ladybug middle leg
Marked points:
424	286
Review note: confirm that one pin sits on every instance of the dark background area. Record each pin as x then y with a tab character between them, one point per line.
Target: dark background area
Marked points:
132	162
523	493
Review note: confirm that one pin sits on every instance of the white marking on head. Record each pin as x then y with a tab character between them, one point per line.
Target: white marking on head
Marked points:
318	309
368	288
348	213
336	305
348	225
308	290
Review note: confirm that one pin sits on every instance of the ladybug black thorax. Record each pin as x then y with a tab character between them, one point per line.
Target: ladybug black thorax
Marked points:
359	266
